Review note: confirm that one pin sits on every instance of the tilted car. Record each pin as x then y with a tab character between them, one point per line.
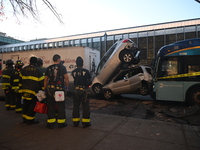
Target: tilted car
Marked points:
131	80
120	55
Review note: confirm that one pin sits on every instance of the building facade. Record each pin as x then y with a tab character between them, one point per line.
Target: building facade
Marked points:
149	38
7	39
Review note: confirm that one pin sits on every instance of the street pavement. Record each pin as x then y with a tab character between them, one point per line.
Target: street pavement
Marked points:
108	132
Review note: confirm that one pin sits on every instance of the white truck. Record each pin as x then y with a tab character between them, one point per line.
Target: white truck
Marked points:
90	56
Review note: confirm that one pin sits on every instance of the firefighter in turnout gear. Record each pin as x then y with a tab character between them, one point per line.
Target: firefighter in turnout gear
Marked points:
6	74
32	81
15	85
56	80
82	79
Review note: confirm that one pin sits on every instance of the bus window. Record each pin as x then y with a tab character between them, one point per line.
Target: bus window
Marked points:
169	67
193	64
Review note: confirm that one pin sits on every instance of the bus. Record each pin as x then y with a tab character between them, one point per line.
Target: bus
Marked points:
177	72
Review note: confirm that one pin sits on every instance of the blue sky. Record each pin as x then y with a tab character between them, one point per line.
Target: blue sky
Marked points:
85	16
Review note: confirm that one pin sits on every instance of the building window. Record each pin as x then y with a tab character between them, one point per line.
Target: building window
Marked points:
66	43
159	42
179	30
134	37
70	43
142	34
60	44
159	32
190	35
142	45
117	37
77	42
103	46
125	36
83	42
109	42
96	43
150	33
180	36
89	44
170	31
190	28
150	53
45	46
170	38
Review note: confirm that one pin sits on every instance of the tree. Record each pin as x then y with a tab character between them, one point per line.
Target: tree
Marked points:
21	7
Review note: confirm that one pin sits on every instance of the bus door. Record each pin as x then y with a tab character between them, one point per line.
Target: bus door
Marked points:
167	87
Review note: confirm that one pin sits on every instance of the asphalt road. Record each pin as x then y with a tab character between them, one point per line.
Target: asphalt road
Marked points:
144	107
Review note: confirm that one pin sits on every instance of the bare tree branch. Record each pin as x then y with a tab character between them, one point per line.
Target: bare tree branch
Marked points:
24	6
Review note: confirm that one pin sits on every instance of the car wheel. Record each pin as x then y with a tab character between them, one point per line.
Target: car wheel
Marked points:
126	56
144	90
194	96
108	94
97	88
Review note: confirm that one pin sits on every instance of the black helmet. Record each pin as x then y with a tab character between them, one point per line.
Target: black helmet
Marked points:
19	63
79	61
9	62
39	61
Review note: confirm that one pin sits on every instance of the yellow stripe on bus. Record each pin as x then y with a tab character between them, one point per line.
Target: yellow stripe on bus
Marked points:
180	75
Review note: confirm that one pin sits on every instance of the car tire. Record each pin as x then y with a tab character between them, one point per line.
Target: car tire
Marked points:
97	89
126	56
108	94
144	90
194	96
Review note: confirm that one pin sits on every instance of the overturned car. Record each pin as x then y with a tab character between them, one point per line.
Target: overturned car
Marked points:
131	80
121	54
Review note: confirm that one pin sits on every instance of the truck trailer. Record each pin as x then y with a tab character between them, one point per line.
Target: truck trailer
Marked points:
68	55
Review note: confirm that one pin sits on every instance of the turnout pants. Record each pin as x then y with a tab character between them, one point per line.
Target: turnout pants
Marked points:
28	112
80	96
9	101
56	110
17	98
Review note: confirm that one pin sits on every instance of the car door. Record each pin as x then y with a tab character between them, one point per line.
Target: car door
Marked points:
135	77
120	83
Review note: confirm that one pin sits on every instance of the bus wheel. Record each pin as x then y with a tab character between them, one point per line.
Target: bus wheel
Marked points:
194	96
97	89
108	94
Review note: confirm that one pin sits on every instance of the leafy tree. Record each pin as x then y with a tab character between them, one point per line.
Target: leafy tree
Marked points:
23	7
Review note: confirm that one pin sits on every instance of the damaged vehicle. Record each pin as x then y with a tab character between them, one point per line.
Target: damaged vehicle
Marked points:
121	54
128	81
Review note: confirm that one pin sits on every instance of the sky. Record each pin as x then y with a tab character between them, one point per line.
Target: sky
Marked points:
86	16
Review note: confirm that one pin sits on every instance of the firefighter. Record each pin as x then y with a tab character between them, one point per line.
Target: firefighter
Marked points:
57	80
9	102
32	81
82	79
15	85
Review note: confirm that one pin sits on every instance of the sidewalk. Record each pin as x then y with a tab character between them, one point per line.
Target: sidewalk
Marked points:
106	133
